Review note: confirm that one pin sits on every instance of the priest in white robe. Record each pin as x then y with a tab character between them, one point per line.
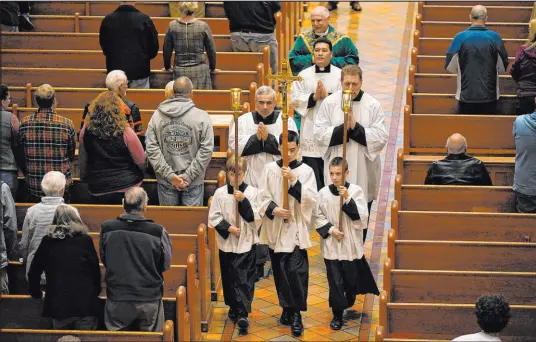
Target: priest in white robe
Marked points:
318	81
288	241
367	134
258	134
237	243
347	269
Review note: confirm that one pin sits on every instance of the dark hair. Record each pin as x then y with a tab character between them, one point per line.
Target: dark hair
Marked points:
323	41
3	91
45	103
492	313
292	137
337	161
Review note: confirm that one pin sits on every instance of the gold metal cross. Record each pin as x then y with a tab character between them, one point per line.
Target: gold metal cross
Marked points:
285	79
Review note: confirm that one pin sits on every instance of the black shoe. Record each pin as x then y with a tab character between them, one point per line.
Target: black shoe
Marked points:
260	272
232	315
336	322
243	323
285	317
297	326
25	24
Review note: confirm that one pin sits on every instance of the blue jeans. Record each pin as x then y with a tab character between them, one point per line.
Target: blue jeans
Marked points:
10	178
255	42
190	196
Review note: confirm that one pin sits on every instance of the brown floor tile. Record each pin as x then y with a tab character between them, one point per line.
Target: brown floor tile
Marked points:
284	338
324	330
309	322
248	337
341	336
269	322
212	337
215	329
274	299
261	293
259	304
269	334
308	335
272	310
312	300
315	289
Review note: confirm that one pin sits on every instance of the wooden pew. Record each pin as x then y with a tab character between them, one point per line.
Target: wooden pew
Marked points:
152	9
77	41
462	226
145	98
439	46
455	12
380	336
95	78
483	3
91	24
448	29
446	83
94	59
436	64
485	134
431	321
426	286
446	104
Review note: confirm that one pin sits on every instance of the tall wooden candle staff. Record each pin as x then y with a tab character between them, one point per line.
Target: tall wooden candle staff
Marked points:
237	108
284	79
347	110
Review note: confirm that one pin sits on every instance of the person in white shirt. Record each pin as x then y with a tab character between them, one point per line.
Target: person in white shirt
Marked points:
237	243
347	269
492	315
367	134
318	81
288	241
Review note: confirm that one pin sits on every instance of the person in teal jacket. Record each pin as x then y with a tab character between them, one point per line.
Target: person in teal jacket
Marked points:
344	50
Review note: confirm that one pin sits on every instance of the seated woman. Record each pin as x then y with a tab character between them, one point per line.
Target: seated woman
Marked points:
111	156
190	38
71	265
168	91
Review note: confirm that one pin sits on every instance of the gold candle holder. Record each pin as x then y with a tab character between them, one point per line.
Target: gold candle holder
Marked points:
346	100
235	99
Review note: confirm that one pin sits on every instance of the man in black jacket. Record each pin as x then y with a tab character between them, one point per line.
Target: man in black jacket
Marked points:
458	168
129	41
252	26
136	252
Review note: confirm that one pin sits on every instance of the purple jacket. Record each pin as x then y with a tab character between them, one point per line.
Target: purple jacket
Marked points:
524	71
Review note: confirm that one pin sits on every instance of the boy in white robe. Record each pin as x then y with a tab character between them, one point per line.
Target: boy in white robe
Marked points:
347	269
318	81
258	132
367	134
289	240
237	244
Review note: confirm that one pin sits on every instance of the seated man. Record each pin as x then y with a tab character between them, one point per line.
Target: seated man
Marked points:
135	251
458	168
492	316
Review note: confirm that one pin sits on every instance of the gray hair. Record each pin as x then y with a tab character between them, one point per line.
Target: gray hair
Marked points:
265	90
53	184
135	200
66	222
115	79
479	12
182	87
321	10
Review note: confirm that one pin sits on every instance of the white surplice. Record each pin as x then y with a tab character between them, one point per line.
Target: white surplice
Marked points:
350	247
300	93
256	162
223	208
363	161
280	236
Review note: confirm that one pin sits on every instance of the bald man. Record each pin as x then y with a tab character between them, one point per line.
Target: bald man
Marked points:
458	168
344	51
477	55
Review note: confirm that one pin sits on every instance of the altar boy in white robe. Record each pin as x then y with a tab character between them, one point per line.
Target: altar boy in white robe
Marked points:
341	244
236	244
289	240
367	134
318	81
258	132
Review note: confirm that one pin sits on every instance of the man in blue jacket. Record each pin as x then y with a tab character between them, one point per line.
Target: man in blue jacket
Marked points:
477	55
524	132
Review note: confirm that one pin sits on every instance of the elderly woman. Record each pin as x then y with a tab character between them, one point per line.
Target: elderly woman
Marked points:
40	215
68	258
168	92
111	156
523	71
190	38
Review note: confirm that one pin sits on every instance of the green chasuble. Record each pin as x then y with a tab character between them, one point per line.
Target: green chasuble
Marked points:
301	55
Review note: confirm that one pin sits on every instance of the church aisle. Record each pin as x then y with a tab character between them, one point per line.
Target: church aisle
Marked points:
381	33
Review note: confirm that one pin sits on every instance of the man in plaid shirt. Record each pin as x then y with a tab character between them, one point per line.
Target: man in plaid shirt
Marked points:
49	142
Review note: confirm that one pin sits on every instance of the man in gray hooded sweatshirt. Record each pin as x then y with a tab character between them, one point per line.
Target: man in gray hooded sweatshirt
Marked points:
180	142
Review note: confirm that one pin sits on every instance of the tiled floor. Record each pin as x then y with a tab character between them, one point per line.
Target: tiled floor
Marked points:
380	36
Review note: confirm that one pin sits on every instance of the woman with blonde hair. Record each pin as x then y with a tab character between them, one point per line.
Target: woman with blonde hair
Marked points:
190	38
168	92
523	71
112	158
70	262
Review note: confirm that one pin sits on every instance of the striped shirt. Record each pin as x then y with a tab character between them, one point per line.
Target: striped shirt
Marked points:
49	145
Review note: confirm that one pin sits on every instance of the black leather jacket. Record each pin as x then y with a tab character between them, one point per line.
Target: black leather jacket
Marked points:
458	169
